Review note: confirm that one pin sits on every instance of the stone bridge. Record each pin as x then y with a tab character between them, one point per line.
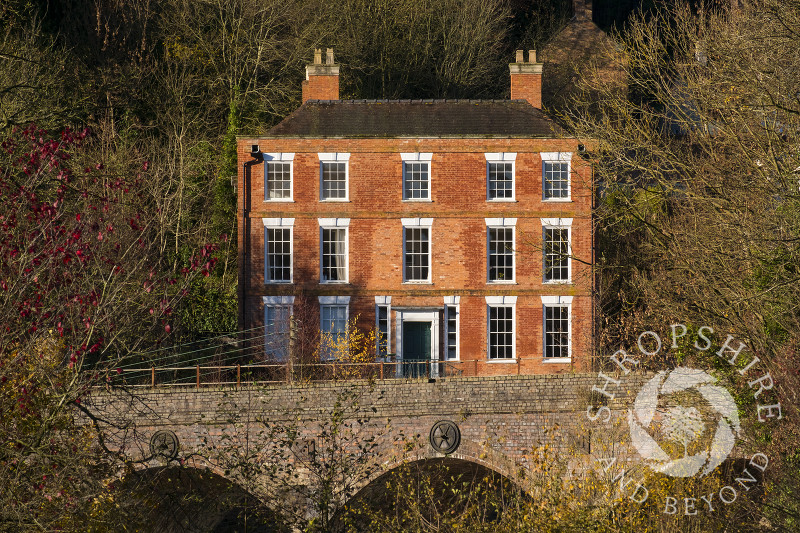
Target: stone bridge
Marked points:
373	426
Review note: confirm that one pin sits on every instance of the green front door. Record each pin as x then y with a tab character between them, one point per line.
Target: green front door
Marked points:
416	347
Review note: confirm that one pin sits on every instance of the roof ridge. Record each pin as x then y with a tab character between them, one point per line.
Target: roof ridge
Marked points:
419	101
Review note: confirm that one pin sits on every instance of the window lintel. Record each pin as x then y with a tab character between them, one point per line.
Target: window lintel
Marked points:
501	300
417	222
416	156
556	300
278	300
333	222
278	156
278	222
327	157
334	300
500	222
497	157
557	222
556	156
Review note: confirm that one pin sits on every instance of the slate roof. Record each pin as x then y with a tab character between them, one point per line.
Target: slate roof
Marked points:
416	118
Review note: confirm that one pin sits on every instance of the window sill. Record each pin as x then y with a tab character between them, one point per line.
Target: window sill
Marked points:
512	282
557	200
335	200
501	200
334	282
557	360
278	282
413	282
279	201
418	200
557	282
501	361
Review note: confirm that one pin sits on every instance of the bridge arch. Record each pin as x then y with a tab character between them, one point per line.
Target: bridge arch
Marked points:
469	451
188	499
432	487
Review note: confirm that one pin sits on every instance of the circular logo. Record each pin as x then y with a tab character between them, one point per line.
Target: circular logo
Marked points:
164	444
681	424
445	436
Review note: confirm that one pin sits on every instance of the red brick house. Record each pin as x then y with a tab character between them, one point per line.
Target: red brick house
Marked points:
460	229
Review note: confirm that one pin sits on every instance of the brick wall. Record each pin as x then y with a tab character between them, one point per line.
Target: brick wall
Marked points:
527	87
501	419
324	87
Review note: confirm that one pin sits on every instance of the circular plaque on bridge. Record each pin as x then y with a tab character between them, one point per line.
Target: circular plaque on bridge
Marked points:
445	436
164	444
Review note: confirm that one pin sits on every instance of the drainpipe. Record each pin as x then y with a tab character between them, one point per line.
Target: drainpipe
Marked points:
244	263
245	249
595	205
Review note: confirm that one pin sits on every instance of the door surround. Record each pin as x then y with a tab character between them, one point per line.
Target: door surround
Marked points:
417	315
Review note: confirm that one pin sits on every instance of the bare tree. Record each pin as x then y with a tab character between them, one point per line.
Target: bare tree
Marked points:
38	79
417	49
698	174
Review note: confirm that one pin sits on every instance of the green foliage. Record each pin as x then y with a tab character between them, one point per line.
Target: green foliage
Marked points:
209	308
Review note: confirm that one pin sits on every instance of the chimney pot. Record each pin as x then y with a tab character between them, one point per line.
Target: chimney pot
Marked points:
520	58
582	9
322	81
531	56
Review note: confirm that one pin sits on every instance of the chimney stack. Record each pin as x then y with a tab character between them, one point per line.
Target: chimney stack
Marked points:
322	80
582	9
526	79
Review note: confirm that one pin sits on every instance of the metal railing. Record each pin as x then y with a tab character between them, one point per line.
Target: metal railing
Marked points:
273	373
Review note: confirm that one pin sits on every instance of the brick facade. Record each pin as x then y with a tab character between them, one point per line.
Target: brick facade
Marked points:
458	209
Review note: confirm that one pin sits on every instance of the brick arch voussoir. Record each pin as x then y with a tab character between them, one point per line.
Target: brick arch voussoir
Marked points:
468	450
194	463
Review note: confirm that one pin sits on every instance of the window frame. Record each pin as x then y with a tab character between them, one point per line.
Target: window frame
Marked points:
332	302
505	302
418	223
454	303
501	223
556	157
272	224
334	157
283	158
278	302
560	302
494	158
328	224
421	158
556	223
386	303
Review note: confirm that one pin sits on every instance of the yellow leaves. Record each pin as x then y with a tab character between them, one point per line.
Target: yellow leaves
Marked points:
354	348
27	382
175	49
